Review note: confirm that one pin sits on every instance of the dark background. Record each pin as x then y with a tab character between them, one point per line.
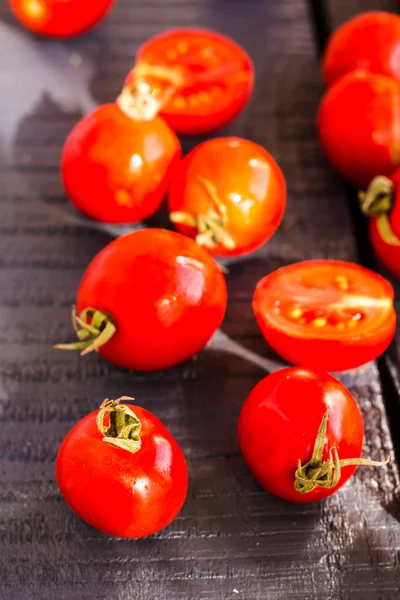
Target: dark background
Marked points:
232	540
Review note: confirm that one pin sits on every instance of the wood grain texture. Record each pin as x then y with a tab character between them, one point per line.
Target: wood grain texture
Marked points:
232	540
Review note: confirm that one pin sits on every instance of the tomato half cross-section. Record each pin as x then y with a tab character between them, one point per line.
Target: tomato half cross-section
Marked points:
149	300
198	80
60	18
301	434
229	194
116	169
120	470
326	314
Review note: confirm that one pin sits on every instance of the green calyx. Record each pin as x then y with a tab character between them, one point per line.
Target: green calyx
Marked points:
325	473
377	201
123	430
93	329
211	226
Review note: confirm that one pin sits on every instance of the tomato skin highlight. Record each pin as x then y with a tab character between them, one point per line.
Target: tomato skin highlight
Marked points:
60	18
358	125
232	90
368	41
249	183
122	494
115	169
166	295
278	426
331	349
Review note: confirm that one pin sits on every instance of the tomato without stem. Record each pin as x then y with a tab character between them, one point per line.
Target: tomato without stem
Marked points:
368	41
229	194
326	314
116	169
301	434
120	470
149	300
60	18
359	126
201	79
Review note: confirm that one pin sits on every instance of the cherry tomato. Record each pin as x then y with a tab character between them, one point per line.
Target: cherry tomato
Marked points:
120	470
203	79
229	194
60	18
116	169
326	314
382	203
368	41
150	300
359	126
296	425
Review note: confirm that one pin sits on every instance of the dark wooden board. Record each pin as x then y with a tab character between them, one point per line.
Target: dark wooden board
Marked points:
232	540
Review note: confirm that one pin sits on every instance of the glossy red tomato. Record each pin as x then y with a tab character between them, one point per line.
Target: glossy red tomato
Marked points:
116	169
120	470
203	79
359	126
161	297
229	194
326	314
60	18
368	41
281	421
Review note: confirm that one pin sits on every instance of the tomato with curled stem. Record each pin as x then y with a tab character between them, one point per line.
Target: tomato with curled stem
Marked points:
381	202
359	126
326	314
229	194
121	471
116	169
368	41
60	18
301	434
198	80
149	300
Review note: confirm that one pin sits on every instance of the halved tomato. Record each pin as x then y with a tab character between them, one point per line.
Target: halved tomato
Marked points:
197	80
326	314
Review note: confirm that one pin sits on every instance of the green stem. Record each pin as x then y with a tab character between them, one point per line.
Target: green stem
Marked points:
378	198
124	427
93	328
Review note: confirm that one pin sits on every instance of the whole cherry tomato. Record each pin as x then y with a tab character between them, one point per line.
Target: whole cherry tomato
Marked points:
120	470
382	204
60	18
229	194
359	126
326	314
149	300
116	169
368	41
198	80
301	434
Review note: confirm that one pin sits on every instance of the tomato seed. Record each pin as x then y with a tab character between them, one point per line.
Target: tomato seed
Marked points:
342	282
319	322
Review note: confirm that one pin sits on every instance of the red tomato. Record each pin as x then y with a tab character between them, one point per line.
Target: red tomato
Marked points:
131	486
231	193
202	78
359	126
280	423
368	41
326	314
60	18
116	169
161	298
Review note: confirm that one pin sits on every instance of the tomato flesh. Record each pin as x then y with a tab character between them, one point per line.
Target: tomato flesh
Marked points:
358	124
115	169
123	494
278	426
326	314
165	294
216	74
248	183
368	41
60	18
